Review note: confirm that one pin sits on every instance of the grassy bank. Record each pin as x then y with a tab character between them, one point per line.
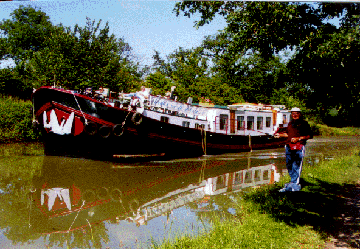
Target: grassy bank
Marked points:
15	120
266	218
324	130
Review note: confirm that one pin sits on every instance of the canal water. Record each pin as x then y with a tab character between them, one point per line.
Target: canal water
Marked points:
59	202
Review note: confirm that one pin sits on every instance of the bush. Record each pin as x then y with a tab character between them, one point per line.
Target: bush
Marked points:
16	120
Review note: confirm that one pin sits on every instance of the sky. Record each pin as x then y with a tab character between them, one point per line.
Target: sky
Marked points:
145	25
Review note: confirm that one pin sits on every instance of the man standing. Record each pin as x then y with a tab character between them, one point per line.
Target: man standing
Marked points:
297	133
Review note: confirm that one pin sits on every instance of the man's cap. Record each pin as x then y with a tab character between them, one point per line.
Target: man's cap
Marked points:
295	109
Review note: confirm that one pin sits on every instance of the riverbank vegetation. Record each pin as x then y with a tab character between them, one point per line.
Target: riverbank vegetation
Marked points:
311	218
324	130
16	120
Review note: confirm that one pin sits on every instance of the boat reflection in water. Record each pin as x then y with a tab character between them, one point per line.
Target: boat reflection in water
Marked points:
74	194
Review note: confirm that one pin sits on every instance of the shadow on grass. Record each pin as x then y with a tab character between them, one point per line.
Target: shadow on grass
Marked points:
329	208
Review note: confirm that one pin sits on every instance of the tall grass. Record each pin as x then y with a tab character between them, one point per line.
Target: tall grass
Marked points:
266	218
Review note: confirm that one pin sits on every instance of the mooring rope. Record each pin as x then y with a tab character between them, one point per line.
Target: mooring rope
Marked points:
33	110
203	140
82	113
76	216
123	123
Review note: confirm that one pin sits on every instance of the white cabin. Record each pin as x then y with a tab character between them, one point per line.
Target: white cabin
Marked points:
238	119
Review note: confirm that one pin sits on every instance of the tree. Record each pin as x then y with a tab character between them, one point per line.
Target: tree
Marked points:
239	53
328	65
255	78
24	34
266	27
322	50
185	68
189	70
72	58
270	27
85	57
159	83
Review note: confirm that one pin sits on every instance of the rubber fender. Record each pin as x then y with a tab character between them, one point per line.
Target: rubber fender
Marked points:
136	118
91	128
88	195
102	193
116	194
134	205
118	130
105	131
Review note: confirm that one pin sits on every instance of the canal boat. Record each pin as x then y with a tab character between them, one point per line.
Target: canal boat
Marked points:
103	126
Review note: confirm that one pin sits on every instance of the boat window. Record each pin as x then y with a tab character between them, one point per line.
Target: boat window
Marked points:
220	182
266	175
223	121
250	122
284	119
248	177
240	122
257	175
186	124
239	178
164	119
259	123
198	126
268	122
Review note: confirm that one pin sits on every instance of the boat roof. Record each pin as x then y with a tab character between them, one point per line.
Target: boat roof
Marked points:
255	107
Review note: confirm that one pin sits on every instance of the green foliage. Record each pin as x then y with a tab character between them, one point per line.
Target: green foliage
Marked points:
159	83
189	70
267	27
56	55
16	120
84	57
283	96
326	64
256	79
240	62
11	83
25	33
343	170
321	72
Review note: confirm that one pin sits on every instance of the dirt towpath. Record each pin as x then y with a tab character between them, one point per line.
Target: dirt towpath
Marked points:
348	234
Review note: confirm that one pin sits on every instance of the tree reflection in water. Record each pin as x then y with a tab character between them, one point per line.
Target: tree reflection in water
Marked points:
69	202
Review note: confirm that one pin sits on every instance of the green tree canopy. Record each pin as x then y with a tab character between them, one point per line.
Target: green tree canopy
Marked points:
23	34
328	64
321	71
72	58
190	71
85	57
159	83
